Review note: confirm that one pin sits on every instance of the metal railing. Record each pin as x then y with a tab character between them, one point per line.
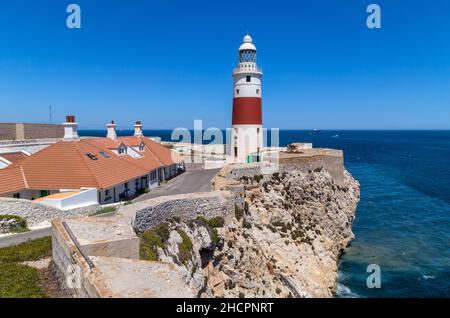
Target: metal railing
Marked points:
78	246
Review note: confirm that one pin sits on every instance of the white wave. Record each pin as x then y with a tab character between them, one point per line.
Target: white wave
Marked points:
343	291
426	277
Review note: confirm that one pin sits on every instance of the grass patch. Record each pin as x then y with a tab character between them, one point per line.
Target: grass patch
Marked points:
28	251
185	248
22	223
19	281
108	209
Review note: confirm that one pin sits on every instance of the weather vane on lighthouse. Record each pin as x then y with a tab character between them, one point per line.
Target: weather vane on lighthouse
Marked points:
247	132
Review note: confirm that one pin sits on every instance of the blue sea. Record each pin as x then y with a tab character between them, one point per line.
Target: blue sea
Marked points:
403	220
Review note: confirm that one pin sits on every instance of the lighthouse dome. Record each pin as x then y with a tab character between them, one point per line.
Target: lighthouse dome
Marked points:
247	44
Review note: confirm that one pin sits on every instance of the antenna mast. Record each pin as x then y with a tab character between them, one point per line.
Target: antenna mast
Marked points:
50	113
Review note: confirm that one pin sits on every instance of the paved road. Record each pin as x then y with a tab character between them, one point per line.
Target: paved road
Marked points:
188	182
23	237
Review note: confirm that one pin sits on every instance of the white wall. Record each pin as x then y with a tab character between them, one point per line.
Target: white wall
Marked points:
84	198
247	139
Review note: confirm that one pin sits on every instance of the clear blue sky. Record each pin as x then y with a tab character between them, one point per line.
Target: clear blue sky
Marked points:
170	62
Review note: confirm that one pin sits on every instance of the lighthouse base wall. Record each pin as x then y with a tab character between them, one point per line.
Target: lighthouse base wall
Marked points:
245	140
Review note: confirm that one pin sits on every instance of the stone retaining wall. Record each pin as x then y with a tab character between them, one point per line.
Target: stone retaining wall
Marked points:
36	213
186	207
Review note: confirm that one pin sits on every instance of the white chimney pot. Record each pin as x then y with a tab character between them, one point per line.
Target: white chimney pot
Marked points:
70	129
111	130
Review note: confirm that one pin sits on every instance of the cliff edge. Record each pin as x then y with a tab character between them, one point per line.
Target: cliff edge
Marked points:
284	242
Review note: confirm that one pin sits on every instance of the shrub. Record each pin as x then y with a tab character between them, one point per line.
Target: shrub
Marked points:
238	213
258	177
185	248
28	251
151	240
22	223
246	225
163	231
215	236
216	222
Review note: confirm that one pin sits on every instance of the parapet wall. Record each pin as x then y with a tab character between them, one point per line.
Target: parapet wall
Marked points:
36	213
71	265
304	161
23	131
184	206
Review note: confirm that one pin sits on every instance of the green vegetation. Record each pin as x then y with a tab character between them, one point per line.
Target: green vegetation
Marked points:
246	224
28	251
185	248
212	225
215	238
258	177
213	222
18	280
22	223
238	213
128	203
108	209
151	240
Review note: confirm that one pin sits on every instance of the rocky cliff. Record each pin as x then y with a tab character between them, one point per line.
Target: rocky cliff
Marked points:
285	242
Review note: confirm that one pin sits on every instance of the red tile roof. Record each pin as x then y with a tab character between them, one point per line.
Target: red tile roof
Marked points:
66	165
13	156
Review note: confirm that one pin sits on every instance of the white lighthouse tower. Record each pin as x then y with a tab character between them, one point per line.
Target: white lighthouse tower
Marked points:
247	133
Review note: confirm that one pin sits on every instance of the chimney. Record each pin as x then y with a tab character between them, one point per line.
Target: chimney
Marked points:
70	129
138	129
111	130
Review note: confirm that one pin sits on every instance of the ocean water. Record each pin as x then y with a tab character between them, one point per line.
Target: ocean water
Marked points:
403	220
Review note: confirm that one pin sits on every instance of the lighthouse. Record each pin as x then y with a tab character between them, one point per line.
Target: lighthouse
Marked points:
247	132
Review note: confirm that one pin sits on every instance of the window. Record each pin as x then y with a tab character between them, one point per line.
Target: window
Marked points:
235	151
104	154
153	175
106	192
141	147
136	182
257	91
121	150
91	156
16	195
237	92
248	79
125	185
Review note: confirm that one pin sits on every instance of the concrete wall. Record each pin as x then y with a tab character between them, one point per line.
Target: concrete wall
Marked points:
82	199
20	131
36	213
70	263
184	206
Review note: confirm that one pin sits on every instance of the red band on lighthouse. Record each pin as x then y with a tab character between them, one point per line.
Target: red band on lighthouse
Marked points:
247	111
